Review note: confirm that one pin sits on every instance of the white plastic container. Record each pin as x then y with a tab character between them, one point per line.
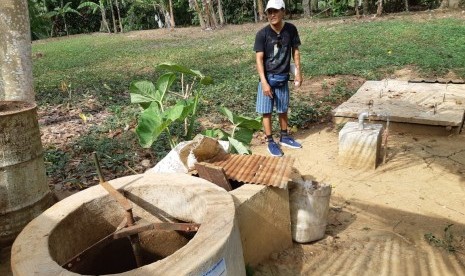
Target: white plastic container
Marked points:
309	205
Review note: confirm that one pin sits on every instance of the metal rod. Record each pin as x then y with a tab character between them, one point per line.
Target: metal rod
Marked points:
124	202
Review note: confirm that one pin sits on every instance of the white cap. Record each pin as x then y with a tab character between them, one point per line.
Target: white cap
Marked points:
275	4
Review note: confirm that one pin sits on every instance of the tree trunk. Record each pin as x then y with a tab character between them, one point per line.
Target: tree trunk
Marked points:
64	18
306	7
255	11
171	14
314	5
119	16
379	11
220	12
199	13
208	22
212	14
406	5
15	52
104	16
115	29
366	7
261	10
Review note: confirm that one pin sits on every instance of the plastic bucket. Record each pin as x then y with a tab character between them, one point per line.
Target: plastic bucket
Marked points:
309	205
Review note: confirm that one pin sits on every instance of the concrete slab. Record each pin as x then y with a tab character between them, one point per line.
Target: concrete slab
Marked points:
427	104
263	216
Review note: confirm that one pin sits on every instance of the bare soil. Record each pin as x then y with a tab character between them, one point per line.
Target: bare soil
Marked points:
406	217
378	219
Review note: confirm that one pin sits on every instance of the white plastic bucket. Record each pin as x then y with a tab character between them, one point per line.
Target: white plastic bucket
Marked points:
309	205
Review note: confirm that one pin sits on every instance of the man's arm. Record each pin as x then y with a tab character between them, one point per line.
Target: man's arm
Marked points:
298	72
266	88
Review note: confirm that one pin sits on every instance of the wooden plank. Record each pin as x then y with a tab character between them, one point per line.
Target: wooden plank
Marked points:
214	174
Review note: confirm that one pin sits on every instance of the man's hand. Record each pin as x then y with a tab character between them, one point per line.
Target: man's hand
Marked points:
266	88
298	79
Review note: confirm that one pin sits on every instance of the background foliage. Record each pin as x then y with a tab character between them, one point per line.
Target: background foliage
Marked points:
142	14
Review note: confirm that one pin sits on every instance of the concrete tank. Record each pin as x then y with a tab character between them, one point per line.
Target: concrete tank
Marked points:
79	221
24	191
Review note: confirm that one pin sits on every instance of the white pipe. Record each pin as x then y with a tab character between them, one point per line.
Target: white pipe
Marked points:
361	118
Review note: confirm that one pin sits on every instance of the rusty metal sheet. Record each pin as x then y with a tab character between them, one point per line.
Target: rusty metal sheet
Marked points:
257	169
454	81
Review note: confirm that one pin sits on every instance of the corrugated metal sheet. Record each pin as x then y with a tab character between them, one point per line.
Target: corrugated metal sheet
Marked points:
454	81
257	169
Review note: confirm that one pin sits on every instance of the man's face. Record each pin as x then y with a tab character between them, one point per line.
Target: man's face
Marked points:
274	16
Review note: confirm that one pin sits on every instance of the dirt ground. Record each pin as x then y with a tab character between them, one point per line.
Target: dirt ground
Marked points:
378	219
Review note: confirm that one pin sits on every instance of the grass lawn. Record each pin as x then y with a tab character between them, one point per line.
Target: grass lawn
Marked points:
70	72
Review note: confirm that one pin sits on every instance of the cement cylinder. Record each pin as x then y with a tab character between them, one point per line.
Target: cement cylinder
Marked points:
24	192
309	205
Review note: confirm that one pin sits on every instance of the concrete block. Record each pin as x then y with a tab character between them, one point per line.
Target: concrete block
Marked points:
264	221
360	148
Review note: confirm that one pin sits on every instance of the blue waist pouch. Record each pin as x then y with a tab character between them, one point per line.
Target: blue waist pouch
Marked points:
277	80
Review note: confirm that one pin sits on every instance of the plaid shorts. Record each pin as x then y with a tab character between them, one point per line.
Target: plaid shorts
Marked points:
280	98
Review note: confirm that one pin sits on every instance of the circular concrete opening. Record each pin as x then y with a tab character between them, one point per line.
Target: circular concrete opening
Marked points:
76	223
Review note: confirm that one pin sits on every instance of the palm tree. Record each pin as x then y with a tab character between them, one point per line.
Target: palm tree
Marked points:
97	7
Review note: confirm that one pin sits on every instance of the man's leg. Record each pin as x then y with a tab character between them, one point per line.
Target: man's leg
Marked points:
265	107
282	105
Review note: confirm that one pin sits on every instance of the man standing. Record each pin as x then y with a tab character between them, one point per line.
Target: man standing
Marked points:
274	46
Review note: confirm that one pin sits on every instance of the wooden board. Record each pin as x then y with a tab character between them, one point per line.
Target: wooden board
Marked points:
214	174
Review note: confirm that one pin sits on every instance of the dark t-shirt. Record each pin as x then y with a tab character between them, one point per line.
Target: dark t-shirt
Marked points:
277	48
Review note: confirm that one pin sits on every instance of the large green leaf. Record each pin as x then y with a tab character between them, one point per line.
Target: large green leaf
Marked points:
249	123
206	80
243	135
180	111
216	133
164	83
241	121
150	125
142	92
238	147
89	4
231	117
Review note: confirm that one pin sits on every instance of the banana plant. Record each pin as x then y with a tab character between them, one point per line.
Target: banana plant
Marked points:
241	134
156	117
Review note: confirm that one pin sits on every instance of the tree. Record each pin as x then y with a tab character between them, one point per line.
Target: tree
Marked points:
261	10
15	52
97	7
379	11
306	7
119	16
115	29
171	14
452	4
61	11
220	12
193	4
